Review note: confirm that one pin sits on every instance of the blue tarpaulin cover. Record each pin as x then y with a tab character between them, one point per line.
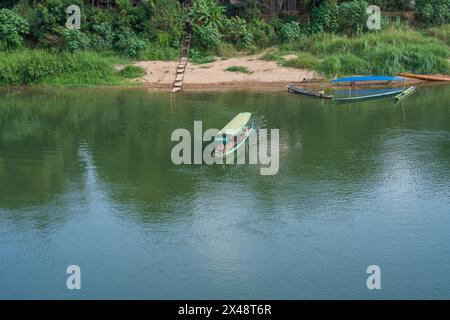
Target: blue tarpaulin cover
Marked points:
368	78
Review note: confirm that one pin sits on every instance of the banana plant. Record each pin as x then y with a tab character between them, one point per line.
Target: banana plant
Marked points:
206	13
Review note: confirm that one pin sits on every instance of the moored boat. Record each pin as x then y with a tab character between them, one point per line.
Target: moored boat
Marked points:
308	93
426	77
366	80
233	135
371	96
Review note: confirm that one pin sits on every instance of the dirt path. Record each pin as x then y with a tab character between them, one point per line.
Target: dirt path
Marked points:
160	74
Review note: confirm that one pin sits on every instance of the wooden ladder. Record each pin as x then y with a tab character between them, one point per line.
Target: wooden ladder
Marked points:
181	67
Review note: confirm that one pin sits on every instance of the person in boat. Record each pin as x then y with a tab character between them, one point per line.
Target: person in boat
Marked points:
229	145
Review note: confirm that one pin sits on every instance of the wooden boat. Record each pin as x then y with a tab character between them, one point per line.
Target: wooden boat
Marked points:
426	77
308	93
371	96
405	93
363	92
366	80
233	135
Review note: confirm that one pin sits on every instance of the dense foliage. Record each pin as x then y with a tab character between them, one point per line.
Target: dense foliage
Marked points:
12	28
433	12
347	17
153	30
130	30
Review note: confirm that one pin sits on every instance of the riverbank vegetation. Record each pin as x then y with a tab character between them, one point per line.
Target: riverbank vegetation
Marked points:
389	52
329	36
82	68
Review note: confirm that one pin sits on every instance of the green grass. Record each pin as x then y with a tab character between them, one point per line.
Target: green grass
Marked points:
227	50
160	53
272	56
240	69
386	53
202	60
442	33
40	67
303	61
132	72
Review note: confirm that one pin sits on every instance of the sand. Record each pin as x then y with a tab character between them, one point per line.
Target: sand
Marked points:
161	74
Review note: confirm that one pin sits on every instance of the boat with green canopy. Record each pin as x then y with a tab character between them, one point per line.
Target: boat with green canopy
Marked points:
233	135
406	93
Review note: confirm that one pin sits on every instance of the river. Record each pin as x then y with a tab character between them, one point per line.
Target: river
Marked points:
86	179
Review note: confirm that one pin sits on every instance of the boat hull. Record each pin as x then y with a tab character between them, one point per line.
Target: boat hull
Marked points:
307	93
370	97
426	77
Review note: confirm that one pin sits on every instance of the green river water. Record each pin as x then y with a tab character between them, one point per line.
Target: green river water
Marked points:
86	179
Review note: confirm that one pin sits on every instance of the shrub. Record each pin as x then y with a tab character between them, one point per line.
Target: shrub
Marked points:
166	16
289	32
433	12
250	9
49	20
12	28
392	5
161	49
226	50
240	69
276	23
132	72
43	67
75	40
129	44
263	34
98	16
349	17
154	51
198	58
236	31
352	16
207	37
271	56
324	18
103	36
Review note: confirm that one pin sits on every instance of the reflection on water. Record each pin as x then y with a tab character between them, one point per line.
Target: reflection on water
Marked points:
86	178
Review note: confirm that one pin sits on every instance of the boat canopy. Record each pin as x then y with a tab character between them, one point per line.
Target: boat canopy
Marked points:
367	79
235	126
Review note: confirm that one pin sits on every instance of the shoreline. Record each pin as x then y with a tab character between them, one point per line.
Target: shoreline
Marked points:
216	75
269	86
260	75
253	86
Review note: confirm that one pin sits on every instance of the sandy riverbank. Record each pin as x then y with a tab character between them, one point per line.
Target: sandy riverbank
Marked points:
262	74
